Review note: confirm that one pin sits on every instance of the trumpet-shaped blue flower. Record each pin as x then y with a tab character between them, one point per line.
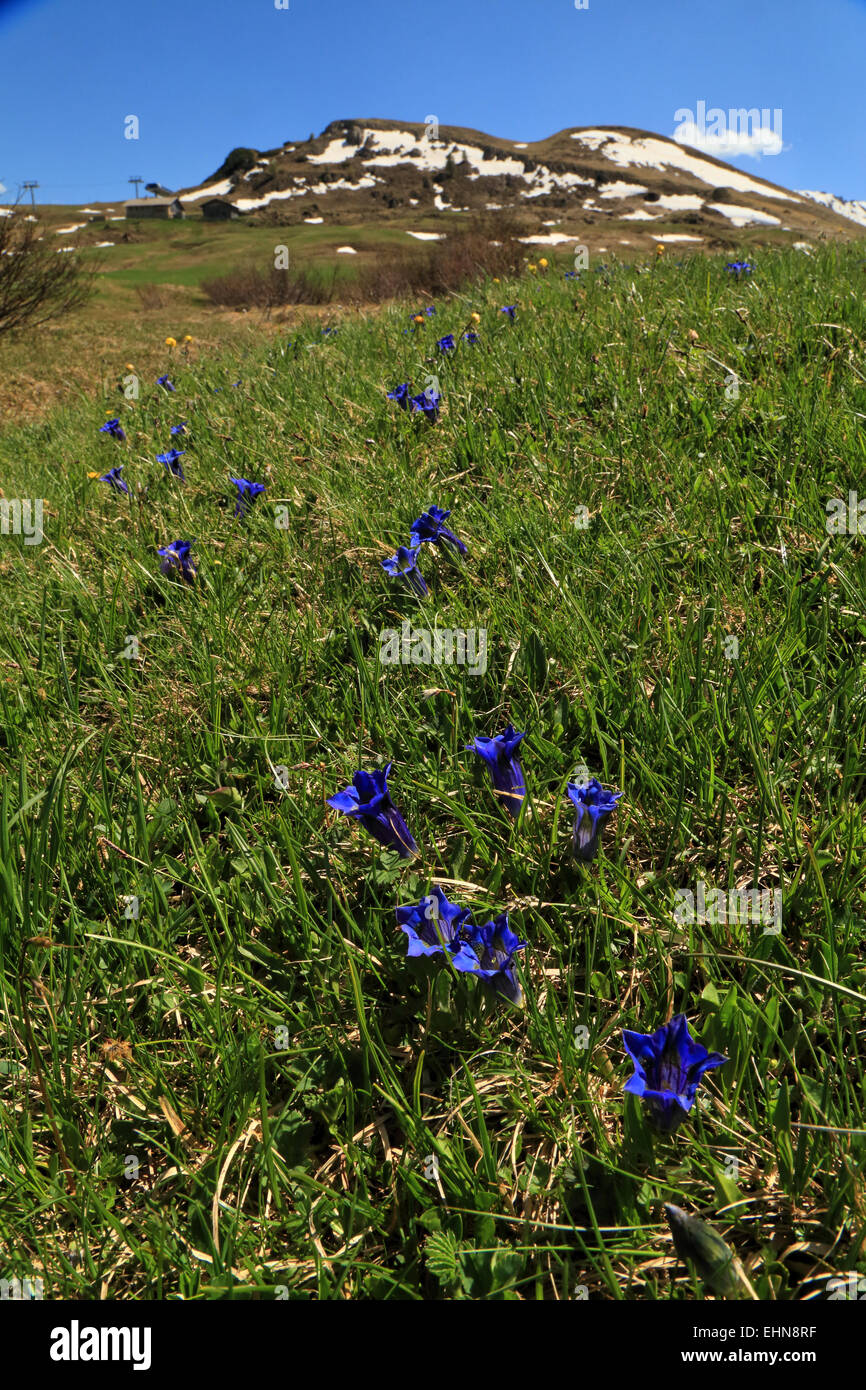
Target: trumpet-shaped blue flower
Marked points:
164	381
247	494
178	429
739	268
427	401
172	462
114	428
434	926
505	770
495	945
368	801
429	527
176	558
400	394
113	478
470	337
668	1068
509	309
404	566
446	344
593	805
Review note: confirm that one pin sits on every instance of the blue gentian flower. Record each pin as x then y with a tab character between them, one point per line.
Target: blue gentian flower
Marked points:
171	461
668	1068
571	274
164	381
509	309
505	770
429	402
446	344
739	268
368	801
429	527
404	566
434	927
179	429
176	556
470	337
495	945
400	394
247	493
114	428
594	805
113	478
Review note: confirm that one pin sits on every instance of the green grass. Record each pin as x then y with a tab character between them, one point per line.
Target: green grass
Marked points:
255	1048
188	252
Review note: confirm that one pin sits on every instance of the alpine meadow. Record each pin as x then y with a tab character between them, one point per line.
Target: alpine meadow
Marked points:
432	851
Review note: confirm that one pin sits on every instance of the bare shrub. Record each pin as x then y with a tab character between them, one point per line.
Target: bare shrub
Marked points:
36	282
250	287
487	246
151	296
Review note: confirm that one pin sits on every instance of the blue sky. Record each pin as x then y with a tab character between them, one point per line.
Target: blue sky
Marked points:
205	75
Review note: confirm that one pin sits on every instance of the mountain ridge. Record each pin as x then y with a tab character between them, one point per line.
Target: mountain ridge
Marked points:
594	178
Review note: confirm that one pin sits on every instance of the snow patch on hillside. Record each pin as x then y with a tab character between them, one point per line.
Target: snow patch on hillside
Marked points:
212	190
855	209
653	153
550	239
681	202
621	189
319	189
745	217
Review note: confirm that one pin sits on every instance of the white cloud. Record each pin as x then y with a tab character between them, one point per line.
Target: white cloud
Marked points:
758	141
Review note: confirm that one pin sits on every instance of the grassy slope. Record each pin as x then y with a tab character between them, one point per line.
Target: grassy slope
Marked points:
257	1040
85	354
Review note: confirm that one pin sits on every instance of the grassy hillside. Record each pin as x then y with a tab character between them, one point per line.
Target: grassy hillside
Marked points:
248	1086
149	288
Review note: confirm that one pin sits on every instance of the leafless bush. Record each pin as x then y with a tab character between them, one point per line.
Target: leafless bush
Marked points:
36	283
151	296
251	287
487	246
